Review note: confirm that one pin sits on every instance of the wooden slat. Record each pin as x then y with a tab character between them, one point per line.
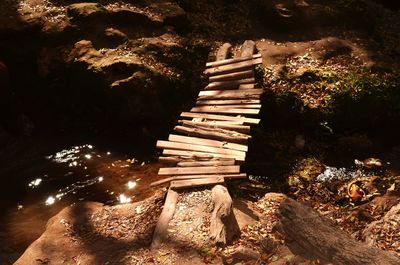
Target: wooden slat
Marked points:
230	162
233	60
220	134
248	48
234	67
228	102
200	148
229	84
235	92
231	94
247	86
232	76
211	122
172	171
225	176
232	127
207	142
184	153
174	160
223	52
219	117
192	183
169	160
161	229
225	110
234	106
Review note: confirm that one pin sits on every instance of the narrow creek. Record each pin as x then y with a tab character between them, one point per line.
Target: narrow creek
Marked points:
42	177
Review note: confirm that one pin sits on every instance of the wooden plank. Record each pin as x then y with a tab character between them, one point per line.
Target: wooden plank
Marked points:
248	48
247	86
231	94
169	160
229	84
237	122
225	176
234	67
223	52
172	171
232	76
230	162
201	148
233	60
192	183
235	92
234	106
161	230
225	110
220	117
207	142
229	134
220	134
204	124
184	153
228	102
161	181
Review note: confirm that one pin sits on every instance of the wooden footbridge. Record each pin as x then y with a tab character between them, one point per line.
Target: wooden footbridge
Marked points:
210	142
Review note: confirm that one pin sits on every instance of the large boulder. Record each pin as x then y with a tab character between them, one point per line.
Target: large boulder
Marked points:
91	233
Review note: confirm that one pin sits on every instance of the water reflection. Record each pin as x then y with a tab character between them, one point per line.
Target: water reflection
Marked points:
131	184
67	176
124	199
50	200
333	173
35	183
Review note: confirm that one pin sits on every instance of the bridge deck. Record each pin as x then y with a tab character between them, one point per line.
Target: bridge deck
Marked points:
215	133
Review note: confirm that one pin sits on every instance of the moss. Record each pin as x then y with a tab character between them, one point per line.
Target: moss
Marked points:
357	100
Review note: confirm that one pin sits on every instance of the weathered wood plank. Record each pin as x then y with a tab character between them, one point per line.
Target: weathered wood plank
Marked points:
220	134
223	225
233	60
247	86
220	117
161	230
174	160
201	148
207	163
169	160
225	110
234	67
228	102
232	76
229	84
172	171
234	92
248	48
223	52
211	122
192	183
254	93
225	176
184	153
232	127
238	106
207	142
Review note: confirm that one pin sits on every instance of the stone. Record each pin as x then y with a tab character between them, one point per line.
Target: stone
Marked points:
84	10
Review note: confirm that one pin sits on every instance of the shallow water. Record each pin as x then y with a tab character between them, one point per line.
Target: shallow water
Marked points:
38	182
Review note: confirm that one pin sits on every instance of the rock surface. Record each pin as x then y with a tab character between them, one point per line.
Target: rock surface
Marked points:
281	230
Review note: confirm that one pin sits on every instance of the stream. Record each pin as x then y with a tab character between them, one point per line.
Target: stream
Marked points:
40	177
